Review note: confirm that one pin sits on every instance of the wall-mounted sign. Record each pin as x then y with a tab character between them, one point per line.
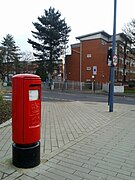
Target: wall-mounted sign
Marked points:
115	60
94	70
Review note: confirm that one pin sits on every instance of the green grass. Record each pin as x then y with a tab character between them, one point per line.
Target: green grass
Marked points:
129	91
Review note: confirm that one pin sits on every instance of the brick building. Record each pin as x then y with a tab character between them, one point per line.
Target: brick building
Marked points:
88	59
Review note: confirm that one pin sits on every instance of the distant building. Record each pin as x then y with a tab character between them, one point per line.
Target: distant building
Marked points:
10	68
88	59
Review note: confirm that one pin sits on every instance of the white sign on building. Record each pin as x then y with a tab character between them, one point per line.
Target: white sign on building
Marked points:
94	70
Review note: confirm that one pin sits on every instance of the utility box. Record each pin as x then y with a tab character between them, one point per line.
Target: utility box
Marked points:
26	120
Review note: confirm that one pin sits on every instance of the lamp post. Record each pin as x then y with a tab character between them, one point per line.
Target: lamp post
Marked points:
93	84
111	93
80	66
65	74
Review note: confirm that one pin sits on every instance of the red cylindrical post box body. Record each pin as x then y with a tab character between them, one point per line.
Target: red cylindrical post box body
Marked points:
26	108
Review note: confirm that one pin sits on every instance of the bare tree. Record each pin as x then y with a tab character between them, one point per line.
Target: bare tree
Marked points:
27	57
129	31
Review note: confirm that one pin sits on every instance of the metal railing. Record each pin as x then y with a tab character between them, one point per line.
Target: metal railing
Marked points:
73	85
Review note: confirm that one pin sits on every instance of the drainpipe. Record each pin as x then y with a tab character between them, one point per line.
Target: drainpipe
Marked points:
80	65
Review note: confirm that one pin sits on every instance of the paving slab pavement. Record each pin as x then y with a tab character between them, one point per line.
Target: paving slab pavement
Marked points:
79	140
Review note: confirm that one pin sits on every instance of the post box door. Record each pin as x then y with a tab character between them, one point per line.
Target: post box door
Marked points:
17	110
32	110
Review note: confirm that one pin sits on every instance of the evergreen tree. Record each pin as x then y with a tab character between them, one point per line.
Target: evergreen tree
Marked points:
9	54
2	53
41	71
52	36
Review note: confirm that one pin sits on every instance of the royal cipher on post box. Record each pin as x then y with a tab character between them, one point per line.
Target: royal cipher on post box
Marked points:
26	120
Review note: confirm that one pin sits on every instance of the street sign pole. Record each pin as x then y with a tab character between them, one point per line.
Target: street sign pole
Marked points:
111	93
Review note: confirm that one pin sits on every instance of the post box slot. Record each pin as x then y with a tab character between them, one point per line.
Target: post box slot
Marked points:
33	85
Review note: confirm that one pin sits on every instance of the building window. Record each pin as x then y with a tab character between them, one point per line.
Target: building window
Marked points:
121	48
88	68
121	60
103	42
88	55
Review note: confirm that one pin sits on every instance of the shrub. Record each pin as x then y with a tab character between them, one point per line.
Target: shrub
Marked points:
131	84
5	109
1	97
9	83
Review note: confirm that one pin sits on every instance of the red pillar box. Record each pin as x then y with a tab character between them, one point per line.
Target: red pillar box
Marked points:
26	120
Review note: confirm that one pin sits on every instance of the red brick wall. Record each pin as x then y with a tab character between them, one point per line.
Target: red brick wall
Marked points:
73	65
98	58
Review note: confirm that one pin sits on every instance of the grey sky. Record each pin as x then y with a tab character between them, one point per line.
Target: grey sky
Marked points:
84	17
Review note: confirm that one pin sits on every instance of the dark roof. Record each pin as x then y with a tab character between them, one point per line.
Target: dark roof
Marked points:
125	37
75	45
99	32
